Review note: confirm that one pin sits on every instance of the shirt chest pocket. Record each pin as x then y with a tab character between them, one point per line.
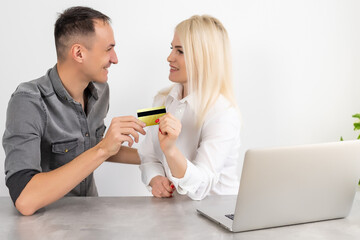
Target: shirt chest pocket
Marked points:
63	152
99	133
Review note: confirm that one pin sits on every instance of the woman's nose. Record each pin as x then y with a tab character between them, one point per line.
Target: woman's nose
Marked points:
170	57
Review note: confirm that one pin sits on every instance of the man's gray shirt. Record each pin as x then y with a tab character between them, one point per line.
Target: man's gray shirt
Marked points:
46	128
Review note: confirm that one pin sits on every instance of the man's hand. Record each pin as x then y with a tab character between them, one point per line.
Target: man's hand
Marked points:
122	129
161	187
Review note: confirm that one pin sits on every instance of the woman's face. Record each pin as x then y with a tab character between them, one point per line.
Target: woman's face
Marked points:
177	62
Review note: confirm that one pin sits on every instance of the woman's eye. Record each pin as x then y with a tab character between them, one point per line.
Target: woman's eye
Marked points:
178	50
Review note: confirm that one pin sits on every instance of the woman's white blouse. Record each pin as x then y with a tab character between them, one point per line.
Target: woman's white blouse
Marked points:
212	151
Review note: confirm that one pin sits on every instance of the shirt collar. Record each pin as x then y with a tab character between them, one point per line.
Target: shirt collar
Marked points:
176	94
60	89
93	90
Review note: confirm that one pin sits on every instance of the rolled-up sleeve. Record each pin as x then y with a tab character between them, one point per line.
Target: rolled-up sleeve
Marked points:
220	135
25	122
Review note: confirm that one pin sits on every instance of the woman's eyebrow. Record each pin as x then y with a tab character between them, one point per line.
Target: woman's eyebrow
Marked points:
177	46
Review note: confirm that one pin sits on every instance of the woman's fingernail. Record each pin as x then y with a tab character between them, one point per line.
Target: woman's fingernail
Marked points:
172	186
157	120
160	131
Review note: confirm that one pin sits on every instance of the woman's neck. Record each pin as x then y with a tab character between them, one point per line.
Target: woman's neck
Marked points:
184	90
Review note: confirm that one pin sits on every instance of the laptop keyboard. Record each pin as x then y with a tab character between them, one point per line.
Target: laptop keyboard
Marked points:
231	216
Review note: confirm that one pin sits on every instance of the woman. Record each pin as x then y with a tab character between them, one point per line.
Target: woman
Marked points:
195	149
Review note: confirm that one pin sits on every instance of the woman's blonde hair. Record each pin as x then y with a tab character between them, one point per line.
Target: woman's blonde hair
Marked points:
207	55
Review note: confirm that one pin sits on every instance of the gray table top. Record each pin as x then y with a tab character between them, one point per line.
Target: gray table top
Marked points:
151	218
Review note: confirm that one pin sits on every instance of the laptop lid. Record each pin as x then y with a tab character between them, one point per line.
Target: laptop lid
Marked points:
297	184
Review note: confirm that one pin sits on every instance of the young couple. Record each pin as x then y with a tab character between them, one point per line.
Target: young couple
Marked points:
54	137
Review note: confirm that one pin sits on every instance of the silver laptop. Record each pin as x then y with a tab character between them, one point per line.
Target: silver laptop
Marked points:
291	185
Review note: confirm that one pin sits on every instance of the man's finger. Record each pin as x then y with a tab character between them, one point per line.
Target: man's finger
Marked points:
129	119
128	124
130	131
125	138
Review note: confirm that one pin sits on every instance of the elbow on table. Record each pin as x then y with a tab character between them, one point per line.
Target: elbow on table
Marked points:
25	207
197	196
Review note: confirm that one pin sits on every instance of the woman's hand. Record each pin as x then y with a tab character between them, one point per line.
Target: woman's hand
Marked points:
161	187
169	131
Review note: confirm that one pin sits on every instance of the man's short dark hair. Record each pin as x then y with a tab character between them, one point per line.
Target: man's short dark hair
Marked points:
75	21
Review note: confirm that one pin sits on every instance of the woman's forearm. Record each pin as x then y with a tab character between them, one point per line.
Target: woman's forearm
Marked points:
176	161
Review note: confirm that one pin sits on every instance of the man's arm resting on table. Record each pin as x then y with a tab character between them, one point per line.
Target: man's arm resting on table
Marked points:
17	182
47	187
126	155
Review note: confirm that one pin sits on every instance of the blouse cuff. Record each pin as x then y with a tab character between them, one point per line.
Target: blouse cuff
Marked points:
191	180
149	171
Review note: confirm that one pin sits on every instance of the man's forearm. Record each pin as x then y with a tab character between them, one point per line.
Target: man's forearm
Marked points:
45	188
126	155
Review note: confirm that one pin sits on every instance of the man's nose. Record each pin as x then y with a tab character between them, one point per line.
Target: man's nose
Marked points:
113	58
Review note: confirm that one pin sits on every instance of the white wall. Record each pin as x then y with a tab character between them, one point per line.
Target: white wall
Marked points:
296	65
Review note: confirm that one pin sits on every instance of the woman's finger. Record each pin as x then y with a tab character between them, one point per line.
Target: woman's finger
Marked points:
166	185
169	130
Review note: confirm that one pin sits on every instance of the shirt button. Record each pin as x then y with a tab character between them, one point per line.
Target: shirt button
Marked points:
86	134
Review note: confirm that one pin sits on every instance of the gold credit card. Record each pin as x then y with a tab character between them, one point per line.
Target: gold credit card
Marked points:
149	115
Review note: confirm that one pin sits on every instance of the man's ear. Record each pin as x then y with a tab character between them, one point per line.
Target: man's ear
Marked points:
78	52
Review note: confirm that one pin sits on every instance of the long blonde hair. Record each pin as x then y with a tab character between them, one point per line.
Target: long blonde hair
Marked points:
207	54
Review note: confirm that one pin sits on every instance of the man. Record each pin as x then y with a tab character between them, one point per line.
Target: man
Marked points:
55	124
